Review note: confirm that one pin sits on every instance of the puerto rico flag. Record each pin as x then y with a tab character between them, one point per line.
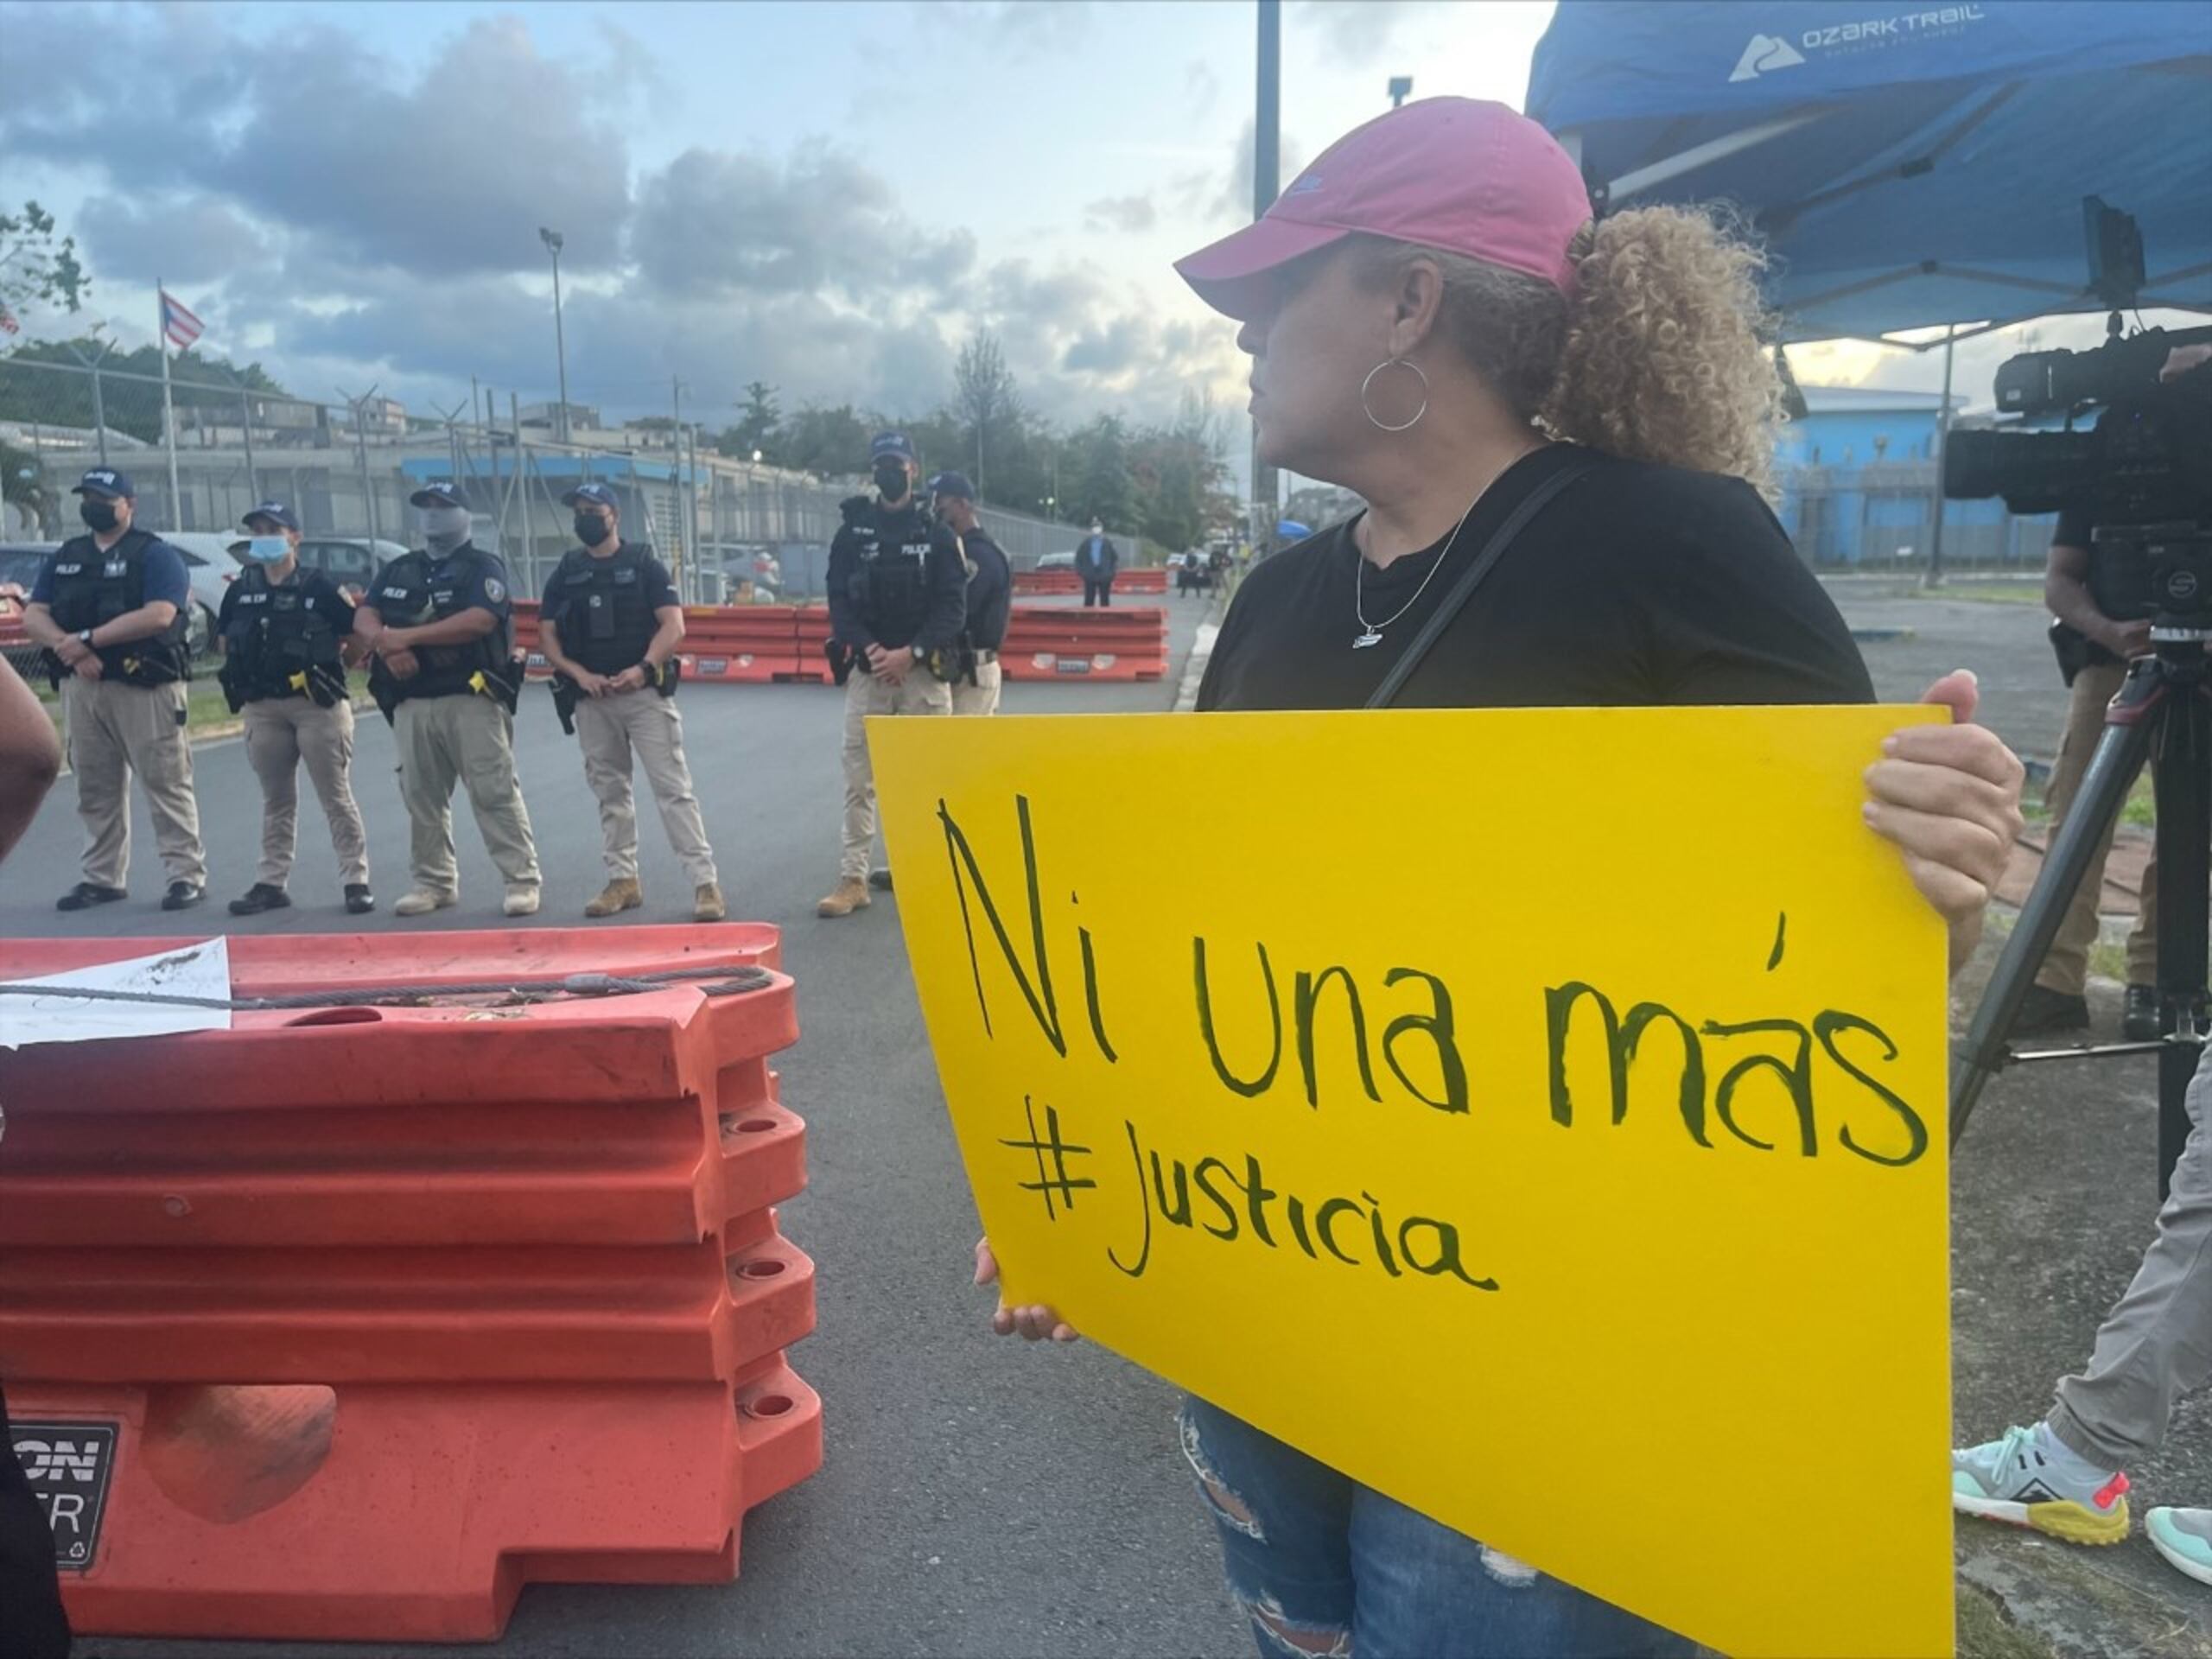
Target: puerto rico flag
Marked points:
178	324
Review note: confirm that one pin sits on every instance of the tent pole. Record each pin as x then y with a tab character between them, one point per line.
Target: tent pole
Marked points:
1942	442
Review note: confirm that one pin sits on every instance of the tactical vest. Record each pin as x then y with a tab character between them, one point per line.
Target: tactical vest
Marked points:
606	615
282	639
890	583
411	593
91	588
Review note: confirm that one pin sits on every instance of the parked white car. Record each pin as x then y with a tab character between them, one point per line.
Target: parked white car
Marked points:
212	567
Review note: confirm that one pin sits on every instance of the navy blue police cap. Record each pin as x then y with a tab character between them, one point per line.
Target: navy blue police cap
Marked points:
893	443
272	510
598	494
438	493
105	481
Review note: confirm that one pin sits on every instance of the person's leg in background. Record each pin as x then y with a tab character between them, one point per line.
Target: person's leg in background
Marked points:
980	698
2057	1001
101	761
153	724
428	770
865	696
2064	1477
272	749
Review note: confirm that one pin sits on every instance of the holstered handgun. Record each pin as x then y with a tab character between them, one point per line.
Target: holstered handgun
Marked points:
841	658
502	685
565	693
664	678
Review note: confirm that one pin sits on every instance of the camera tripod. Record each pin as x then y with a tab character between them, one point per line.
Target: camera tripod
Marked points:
2164	712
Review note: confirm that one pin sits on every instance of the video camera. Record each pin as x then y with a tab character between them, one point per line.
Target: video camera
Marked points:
2142	474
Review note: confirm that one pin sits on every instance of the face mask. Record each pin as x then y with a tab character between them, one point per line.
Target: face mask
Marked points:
97	515
891	479
444	527
591	528
268	549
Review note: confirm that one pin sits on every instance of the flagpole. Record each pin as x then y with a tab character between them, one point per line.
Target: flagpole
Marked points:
168	409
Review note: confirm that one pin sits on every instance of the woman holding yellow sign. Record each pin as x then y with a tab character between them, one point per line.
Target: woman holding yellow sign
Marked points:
1572	419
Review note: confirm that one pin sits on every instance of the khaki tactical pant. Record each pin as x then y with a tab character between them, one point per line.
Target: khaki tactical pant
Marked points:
980	698
471	738
115	729
2156	1344
2066	968
610	728
280	733
920	693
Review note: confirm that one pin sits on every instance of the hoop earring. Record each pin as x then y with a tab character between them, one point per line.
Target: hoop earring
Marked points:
1394	363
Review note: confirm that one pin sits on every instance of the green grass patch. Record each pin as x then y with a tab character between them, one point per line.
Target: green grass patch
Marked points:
1987	593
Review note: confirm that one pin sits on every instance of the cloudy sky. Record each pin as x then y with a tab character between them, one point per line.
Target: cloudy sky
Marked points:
827	197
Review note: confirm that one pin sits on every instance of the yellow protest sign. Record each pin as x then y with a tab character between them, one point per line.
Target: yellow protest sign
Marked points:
1537	1114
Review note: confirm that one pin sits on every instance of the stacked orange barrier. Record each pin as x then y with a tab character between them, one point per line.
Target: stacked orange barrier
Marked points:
813	635
751	644
348	1323
1062	579
1052	642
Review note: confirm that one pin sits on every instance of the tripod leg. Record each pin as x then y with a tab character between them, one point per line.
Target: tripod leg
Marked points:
2181	772
2135	715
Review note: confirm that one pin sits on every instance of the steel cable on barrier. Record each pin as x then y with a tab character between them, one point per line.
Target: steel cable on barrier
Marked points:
733	981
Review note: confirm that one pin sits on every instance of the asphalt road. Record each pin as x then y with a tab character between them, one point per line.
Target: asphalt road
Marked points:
982	1498
977	1497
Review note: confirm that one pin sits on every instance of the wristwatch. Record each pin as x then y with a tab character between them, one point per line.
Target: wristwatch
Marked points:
85	637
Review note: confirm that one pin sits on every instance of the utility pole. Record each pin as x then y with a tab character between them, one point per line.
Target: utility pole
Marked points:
99	409
552	240
1267	184
360	408
676	482
1942	443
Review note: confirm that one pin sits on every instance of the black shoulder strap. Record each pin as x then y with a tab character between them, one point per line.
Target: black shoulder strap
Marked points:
1456	597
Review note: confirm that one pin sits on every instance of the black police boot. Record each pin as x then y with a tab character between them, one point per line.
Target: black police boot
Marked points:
2044	1011
360	901
184	895
2140	1021
259	897
86	894
880	880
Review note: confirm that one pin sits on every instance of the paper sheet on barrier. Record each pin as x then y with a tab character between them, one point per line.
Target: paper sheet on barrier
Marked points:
196	970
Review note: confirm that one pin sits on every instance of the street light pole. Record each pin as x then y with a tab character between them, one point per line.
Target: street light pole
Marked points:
1267	184
552	240
1402	88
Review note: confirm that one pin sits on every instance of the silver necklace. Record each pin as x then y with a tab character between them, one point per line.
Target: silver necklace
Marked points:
1371	633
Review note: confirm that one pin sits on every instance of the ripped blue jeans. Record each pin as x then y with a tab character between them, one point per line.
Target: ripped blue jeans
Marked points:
1329	1569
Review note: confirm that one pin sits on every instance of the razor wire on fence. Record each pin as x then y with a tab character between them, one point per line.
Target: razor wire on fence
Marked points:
732	531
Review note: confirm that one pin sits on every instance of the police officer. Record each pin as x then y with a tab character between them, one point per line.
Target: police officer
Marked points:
990	595
111	607
288	637
898	600
610	625
439	623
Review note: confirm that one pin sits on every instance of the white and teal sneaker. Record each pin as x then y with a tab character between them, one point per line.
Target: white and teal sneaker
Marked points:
2028	1479
2184	1538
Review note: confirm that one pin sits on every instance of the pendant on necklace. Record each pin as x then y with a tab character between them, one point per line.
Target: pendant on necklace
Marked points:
1372	636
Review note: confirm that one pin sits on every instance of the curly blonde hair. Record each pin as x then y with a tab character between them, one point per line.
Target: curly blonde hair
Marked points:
1656	357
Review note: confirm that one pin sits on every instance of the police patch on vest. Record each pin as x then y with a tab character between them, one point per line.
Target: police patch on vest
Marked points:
495	590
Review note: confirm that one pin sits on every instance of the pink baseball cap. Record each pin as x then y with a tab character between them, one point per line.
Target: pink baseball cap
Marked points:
1460	175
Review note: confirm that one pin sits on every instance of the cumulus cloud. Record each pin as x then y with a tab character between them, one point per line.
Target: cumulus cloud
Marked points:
177	238
1353	31
1127	215
374	219
716	222
1223	197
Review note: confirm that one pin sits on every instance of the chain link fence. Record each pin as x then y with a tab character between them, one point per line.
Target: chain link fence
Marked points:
1882	518
732	531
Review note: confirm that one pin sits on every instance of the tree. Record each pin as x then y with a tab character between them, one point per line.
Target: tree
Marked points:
985	397
131	384
832	442
1096	473
34	267
756	426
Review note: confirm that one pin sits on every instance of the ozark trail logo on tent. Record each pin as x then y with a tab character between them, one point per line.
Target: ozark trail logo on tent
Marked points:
1765	53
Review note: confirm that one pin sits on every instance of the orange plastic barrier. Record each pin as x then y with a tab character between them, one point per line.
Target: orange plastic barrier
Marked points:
1050	642
1060	579
348	1322
751	644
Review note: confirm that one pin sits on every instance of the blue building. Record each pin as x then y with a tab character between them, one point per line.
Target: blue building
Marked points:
1860	483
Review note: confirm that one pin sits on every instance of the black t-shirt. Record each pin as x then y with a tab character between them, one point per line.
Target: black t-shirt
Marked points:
1639	584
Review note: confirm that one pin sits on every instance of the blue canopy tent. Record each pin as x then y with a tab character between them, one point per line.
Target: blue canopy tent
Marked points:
1908	168
1911	169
